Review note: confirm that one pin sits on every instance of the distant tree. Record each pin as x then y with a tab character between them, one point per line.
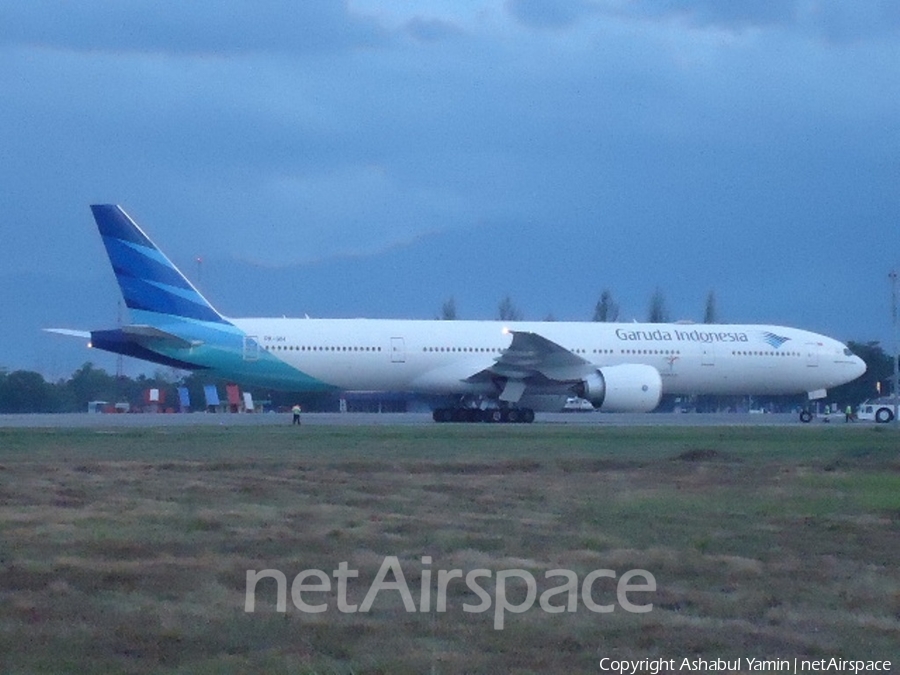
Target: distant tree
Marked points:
550	317
168	375
24	391
711	314
507	311
606	308
89	383
879	369
448	309
658	312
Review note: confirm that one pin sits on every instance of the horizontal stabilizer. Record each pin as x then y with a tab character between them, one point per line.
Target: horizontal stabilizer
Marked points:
71	333
143	333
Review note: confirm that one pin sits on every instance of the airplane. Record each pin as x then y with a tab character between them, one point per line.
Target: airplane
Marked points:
489	371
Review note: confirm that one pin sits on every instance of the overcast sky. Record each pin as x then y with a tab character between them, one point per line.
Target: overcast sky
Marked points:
292	133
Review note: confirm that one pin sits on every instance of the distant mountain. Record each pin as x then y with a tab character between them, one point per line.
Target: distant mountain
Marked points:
546	270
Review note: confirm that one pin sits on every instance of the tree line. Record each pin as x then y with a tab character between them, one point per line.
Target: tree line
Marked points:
24	391
606	309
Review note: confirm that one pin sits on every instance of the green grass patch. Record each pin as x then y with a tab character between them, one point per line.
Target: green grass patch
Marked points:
126	550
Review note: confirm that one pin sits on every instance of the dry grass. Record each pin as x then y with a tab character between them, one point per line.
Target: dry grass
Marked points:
127	551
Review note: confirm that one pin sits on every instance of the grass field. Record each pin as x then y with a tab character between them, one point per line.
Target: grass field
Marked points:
127	550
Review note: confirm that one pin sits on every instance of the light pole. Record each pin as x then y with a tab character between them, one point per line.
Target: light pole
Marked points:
895	352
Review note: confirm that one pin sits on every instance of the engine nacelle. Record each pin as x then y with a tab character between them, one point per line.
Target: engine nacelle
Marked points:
630	387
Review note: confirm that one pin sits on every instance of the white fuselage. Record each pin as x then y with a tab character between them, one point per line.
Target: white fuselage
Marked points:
438	356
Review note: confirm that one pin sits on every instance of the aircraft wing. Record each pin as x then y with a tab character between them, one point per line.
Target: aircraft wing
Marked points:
533	357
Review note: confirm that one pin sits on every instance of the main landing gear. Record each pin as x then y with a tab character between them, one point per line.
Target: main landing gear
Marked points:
500	415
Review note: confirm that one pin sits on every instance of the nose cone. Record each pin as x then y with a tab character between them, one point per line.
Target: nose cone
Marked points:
858	366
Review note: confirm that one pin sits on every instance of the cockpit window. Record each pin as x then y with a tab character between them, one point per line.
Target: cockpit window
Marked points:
847	352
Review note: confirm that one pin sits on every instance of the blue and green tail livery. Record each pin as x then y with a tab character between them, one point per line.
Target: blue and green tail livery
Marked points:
148	279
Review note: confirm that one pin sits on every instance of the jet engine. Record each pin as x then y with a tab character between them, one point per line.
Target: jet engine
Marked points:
630	387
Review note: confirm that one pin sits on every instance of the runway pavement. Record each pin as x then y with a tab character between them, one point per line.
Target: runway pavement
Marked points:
138	420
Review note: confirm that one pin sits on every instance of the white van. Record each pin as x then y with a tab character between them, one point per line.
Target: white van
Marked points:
575	404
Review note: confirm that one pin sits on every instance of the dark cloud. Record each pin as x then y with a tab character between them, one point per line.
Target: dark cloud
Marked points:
197	27
736	15
831	20
432	30
844	22
549	13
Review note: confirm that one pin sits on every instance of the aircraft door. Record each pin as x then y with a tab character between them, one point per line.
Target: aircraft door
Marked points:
251	348
398	350
707	355
812	354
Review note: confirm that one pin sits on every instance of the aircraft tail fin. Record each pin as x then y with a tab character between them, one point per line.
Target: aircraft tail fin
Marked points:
150	282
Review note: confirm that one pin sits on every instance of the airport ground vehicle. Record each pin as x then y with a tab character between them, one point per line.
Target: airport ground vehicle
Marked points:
576	404
880	410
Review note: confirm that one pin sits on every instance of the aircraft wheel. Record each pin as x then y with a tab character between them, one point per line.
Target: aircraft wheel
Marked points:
495	416
527	415
512	416
884	415
805	416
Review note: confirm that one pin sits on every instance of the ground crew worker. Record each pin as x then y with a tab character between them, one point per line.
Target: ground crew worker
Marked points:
296	411
848	414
